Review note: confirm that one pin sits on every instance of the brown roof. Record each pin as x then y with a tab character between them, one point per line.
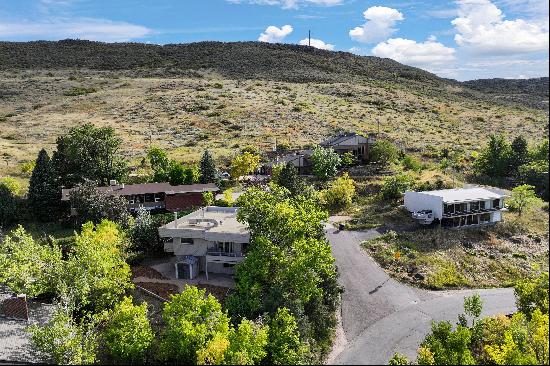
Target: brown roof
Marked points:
144	188
15	307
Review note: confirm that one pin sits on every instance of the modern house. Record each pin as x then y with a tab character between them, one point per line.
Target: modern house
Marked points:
156	196
207	240
456	207
351	142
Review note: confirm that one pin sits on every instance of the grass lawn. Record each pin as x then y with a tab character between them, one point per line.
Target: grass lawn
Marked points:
494	256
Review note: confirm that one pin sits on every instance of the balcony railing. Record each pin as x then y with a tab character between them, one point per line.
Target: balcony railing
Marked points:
471	212
225	254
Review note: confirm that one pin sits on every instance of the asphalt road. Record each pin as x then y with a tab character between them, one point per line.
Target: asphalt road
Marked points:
381	316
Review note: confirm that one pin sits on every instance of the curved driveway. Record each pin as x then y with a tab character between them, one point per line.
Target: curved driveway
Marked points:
381	316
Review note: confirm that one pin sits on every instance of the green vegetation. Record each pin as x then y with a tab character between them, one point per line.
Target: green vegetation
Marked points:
339	194
521	339
475	257
244	164
325	163
90	204
289	265
8	205
43	196
288	178
208	168
384	152
522	197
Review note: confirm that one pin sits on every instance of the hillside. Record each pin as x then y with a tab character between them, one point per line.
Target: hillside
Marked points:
228	95
533	92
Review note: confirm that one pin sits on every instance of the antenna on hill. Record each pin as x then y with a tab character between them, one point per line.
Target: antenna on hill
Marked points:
309	38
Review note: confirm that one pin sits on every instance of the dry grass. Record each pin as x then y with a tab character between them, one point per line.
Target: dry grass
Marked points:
186	115
477	257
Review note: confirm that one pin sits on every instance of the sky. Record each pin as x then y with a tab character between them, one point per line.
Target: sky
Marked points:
463	39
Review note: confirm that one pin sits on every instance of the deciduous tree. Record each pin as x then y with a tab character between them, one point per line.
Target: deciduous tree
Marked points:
325	163
244	164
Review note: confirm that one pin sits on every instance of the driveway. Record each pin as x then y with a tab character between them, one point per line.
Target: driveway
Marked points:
381	316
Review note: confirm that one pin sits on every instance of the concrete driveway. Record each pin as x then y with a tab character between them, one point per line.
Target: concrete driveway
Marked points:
381	316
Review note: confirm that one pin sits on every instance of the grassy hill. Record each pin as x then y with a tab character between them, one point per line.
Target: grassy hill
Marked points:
228	95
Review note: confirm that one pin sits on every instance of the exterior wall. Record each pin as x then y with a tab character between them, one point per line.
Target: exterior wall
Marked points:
496	216
178	202
416	201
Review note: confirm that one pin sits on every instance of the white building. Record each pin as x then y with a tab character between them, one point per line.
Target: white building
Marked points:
210	238
456	207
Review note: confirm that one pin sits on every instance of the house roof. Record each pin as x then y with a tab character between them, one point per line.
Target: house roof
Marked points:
212	222
337	140
464	194
145	188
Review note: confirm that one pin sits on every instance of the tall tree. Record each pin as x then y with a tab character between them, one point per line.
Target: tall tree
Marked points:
244	164
519	153
43	190
158	159
8	205
289	178
494	160
88	152
208	168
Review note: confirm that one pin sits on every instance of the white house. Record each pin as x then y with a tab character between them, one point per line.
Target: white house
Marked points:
456	207
210	240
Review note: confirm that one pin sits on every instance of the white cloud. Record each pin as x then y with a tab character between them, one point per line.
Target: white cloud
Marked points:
423	54
273	34
379	25
317	43
482	29
83	28
289	4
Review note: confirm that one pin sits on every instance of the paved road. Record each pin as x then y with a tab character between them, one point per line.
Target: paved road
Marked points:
381	316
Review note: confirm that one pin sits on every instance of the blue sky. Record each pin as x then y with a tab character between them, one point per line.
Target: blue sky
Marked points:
464	39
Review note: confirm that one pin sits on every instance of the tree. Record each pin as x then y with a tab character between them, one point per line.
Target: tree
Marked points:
448	347
144	232
193	320
383	152
88	152
348	159
519	153
127	334
325	163
65	341
532	294
28	267
522	197
493	161
208	173
247	344
244	164
91	204
284	346
8	205
398	359
44	194
340	192
276	172
95	275
395	186
289	178
289	263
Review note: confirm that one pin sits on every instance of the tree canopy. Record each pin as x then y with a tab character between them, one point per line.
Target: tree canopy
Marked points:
44	194
207	168
325	163
88	152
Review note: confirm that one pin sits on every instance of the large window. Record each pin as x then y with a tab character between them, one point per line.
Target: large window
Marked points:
474	206
225	247
449	209
484	218
496	203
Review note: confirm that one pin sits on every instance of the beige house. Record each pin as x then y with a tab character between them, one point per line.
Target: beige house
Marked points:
207	240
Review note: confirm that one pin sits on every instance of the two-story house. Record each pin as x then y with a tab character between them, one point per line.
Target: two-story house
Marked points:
351	142
456	207
207	240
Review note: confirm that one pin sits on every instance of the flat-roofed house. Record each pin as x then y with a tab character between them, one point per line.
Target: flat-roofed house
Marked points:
211	237
456	207
156	196
351	142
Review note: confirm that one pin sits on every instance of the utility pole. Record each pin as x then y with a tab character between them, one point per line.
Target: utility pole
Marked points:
378	122
309	37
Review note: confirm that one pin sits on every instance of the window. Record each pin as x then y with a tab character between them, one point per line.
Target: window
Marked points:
474	206
225	247
449	209
228	265
485	218
496	203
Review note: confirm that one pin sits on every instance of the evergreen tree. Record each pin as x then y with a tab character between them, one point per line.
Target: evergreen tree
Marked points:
44	194
519	154
290	179
208	168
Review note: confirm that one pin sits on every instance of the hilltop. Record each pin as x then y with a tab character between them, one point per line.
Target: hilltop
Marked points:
225	96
